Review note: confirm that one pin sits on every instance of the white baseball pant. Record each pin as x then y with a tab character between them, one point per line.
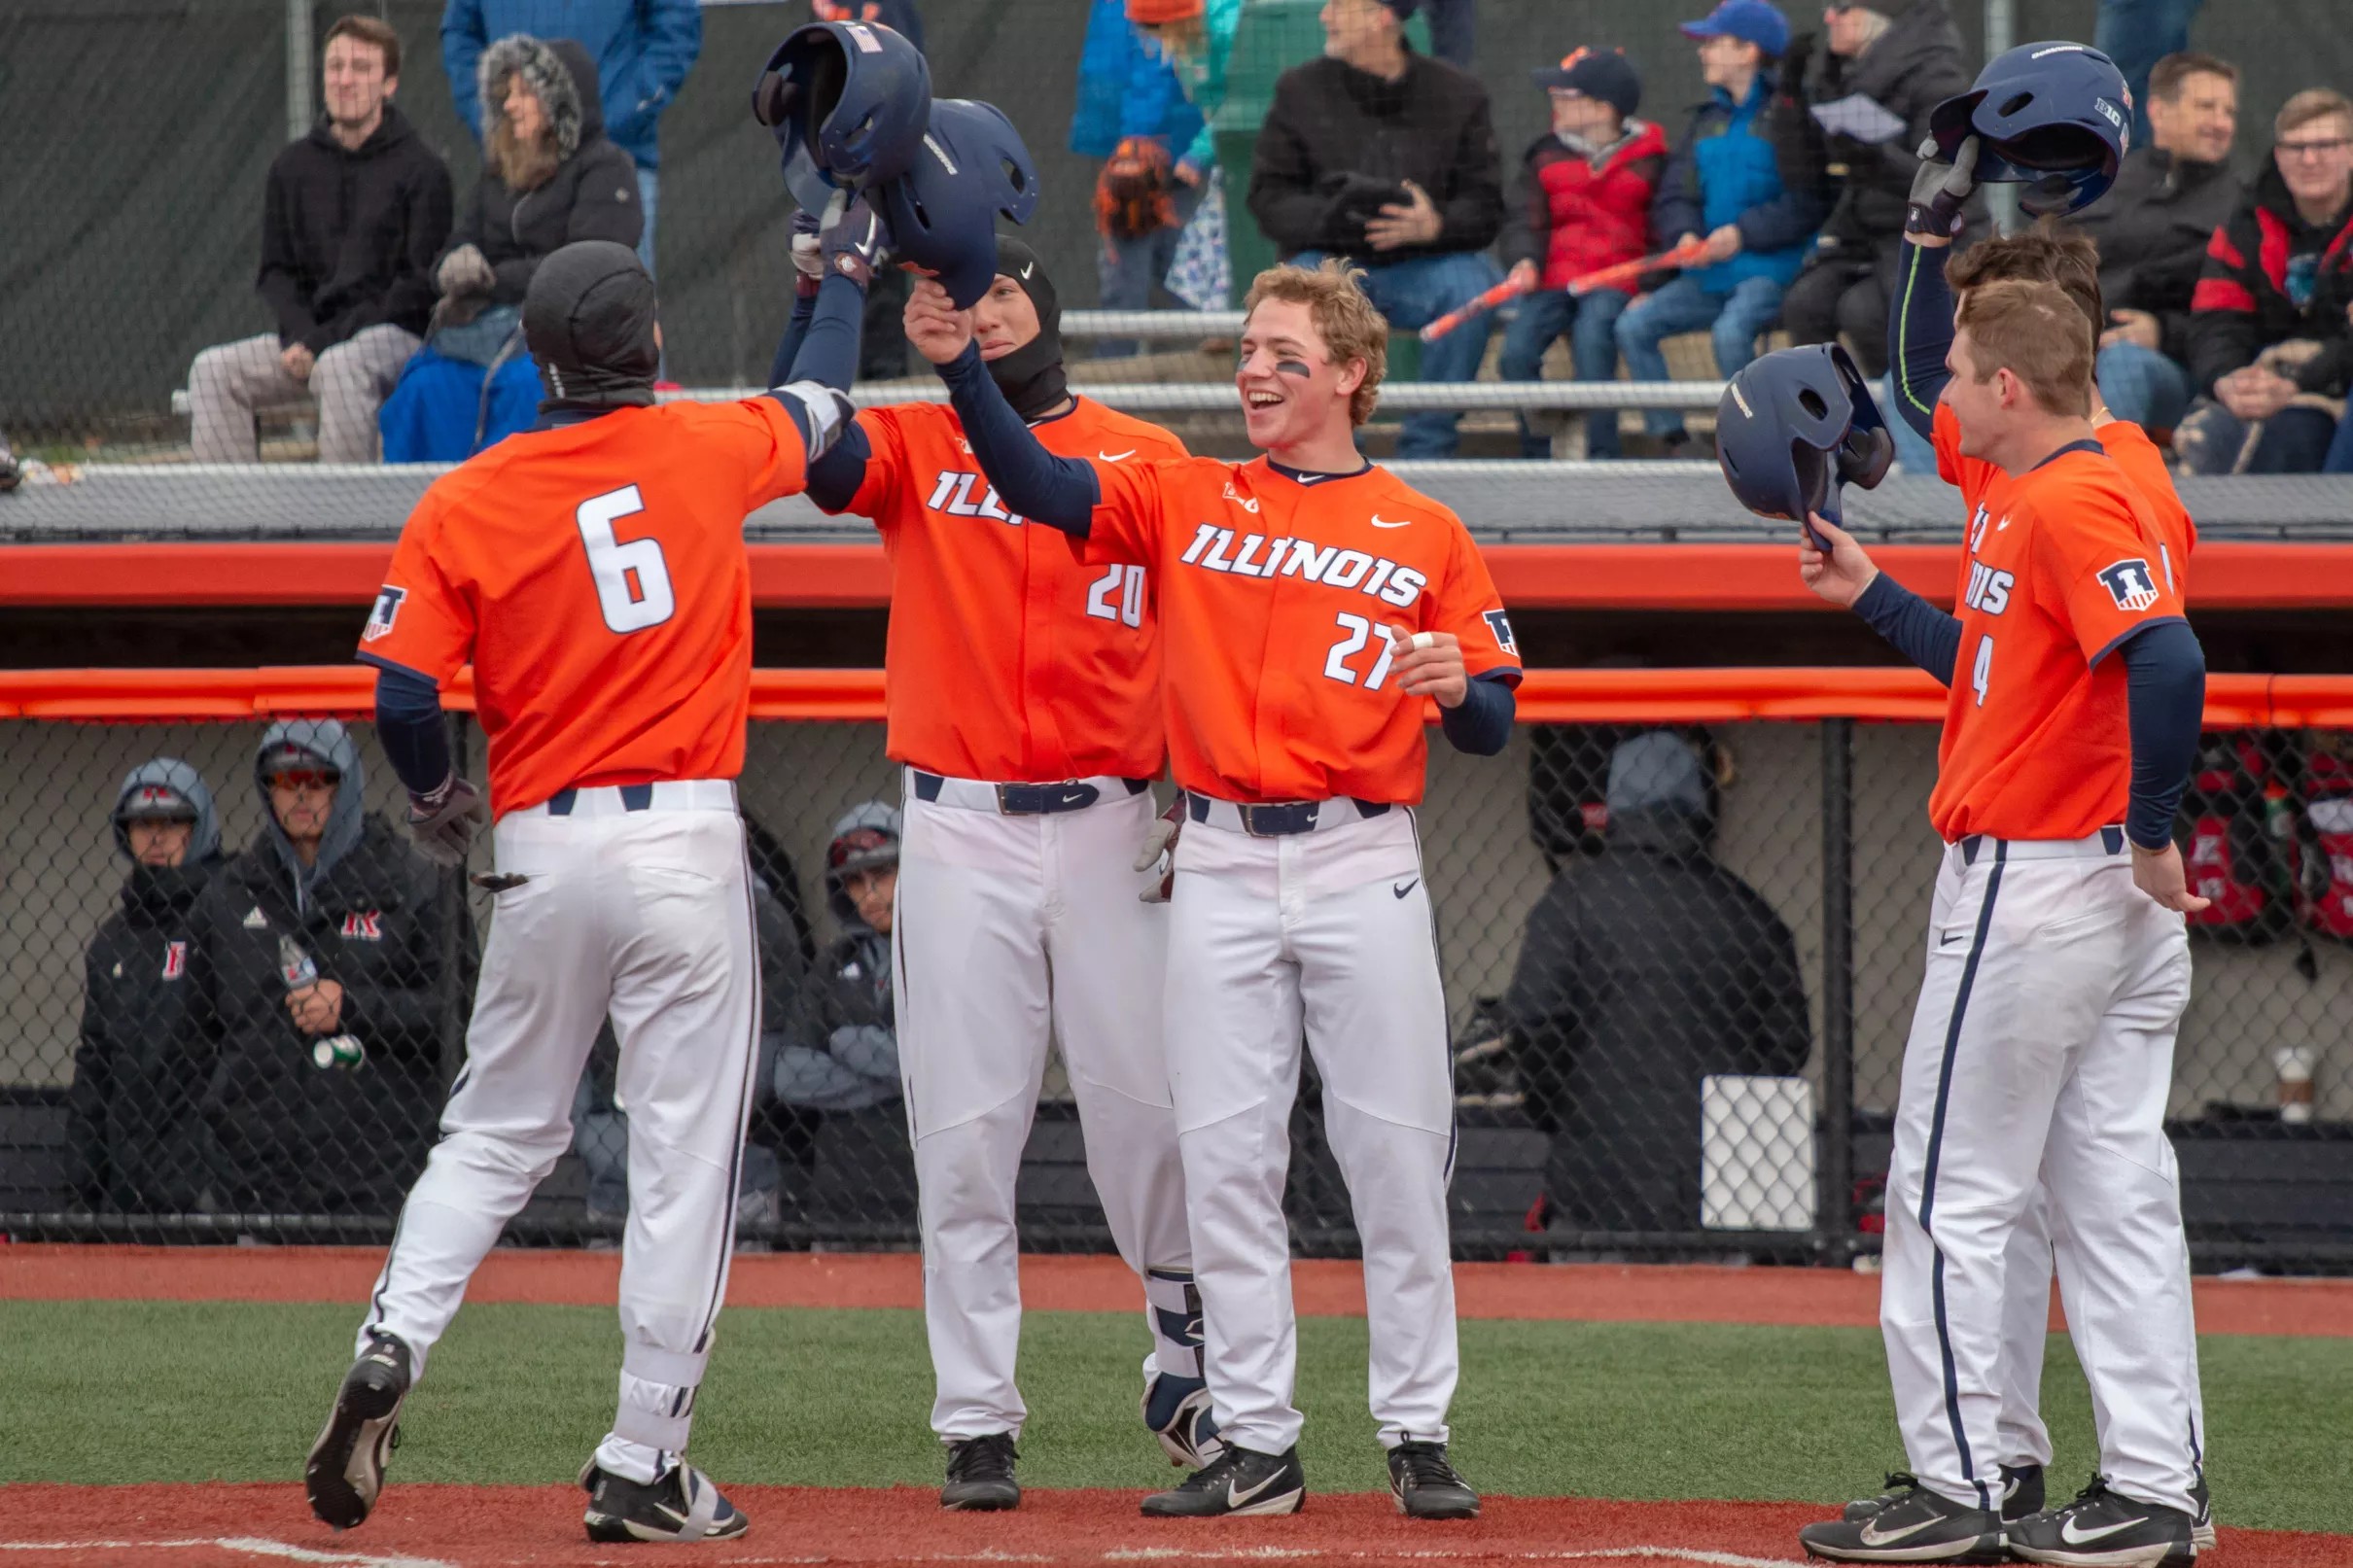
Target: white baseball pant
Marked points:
1326	932
2042	1046
646	915
230	381
1009	928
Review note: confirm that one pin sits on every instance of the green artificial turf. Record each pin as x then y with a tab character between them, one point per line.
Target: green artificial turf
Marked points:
130	1391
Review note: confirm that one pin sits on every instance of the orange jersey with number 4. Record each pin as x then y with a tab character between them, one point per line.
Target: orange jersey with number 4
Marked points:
594	575
1274	594
1009	659
2036	742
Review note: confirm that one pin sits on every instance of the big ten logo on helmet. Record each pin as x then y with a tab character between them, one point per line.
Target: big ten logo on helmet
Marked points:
1216	549
2130	583
1988	589
952	494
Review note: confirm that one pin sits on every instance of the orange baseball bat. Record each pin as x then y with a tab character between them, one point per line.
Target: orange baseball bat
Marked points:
1625	272
1485	301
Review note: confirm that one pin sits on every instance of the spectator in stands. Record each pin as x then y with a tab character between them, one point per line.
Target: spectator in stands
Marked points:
352	218
639	51
2136	34
548	178
1869	90
2153	228
1749	180
2270	340
1389	159
316	976
135	1139
1645	970
1453	29
1584	192
842	1054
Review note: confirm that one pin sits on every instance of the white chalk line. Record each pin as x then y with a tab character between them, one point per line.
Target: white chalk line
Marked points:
250	1545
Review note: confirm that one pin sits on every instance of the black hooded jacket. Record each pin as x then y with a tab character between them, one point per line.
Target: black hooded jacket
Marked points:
1643	970
2152	228
349	237
592	194
1908	69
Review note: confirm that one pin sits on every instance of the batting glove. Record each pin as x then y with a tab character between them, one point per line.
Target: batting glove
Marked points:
808	251
854	238
1160	850
1941	190
444	820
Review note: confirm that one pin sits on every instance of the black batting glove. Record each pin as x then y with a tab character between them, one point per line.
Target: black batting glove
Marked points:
1941	190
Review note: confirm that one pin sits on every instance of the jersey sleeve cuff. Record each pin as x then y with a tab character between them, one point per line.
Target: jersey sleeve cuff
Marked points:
398	668
2131	632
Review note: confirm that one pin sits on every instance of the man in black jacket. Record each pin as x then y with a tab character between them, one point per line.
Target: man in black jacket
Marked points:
1644	970
1869	90
1389	159
317	976
2153	228
354	215
134	1139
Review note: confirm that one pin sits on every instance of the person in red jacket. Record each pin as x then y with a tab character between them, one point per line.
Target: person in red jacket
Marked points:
1585	190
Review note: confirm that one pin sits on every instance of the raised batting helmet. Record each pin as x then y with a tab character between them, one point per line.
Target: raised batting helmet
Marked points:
854	95
2056	115
973	170
1796	425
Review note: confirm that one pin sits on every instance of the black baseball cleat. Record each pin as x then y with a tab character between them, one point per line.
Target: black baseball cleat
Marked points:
1425	1486
1239	1481
346	1467
2105	1530
1178	1410
682	1505
2022	1493
980	1475
1919	1527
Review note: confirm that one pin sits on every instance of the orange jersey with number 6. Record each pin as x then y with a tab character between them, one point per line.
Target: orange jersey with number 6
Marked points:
594	575
2036	742
1274	596
1009	659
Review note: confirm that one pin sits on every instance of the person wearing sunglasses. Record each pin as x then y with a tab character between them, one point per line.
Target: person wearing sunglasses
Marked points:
2270	343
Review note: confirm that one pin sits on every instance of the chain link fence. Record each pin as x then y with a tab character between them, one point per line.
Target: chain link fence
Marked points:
1681	961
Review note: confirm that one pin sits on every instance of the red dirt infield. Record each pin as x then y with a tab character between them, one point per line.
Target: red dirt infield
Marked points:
1557	1292
225	1526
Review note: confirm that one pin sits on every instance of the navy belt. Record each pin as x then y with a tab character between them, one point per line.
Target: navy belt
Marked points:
636	797
2112	840
1280	820
1031	799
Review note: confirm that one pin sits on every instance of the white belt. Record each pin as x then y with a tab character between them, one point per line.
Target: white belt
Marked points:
1280	820
616	800
1021	799
2100	846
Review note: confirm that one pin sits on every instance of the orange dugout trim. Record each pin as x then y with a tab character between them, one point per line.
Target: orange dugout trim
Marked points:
2227	575
1546	696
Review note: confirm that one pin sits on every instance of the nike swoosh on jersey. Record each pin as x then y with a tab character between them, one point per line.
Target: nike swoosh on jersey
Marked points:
2075	1538
1113	457
1874	1536
1378	523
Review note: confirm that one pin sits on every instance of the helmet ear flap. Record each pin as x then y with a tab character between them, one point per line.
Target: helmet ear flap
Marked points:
1865	453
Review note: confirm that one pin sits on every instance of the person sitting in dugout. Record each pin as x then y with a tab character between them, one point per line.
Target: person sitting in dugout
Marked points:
135	1142
316	981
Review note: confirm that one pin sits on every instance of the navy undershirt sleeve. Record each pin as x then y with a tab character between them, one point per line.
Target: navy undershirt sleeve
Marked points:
1919	334
827	351
834	478
1059	492
1916	628
2165	690
409	723
788	347
1482	723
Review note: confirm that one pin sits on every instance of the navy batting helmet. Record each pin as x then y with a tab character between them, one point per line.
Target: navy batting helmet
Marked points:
973	170
2056	115
853	94
1796	425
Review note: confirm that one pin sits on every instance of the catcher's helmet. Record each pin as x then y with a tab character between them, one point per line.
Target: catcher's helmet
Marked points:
854	95
2056	115
1796	425
972	169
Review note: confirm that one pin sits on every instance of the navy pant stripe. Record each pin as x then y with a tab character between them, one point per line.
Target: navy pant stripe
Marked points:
1935	1140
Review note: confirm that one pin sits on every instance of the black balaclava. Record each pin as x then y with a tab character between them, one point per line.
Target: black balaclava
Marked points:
588	321
1031	376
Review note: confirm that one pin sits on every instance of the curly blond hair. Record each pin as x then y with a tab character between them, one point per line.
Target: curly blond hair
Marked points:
1345	319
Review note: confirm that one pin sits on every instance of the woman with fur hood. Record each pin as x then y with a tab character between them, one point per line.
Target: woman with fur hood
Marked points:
550	177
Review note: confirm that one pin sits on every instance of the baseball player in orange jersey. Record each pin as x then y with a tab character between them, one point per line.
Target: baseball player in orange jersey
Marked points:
592	572
2054	253
1023	694
2058	971
1309	601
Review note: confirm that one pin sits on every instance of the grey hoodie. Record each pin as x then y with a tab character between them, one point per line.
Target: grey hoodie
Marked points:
327	744
184	781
